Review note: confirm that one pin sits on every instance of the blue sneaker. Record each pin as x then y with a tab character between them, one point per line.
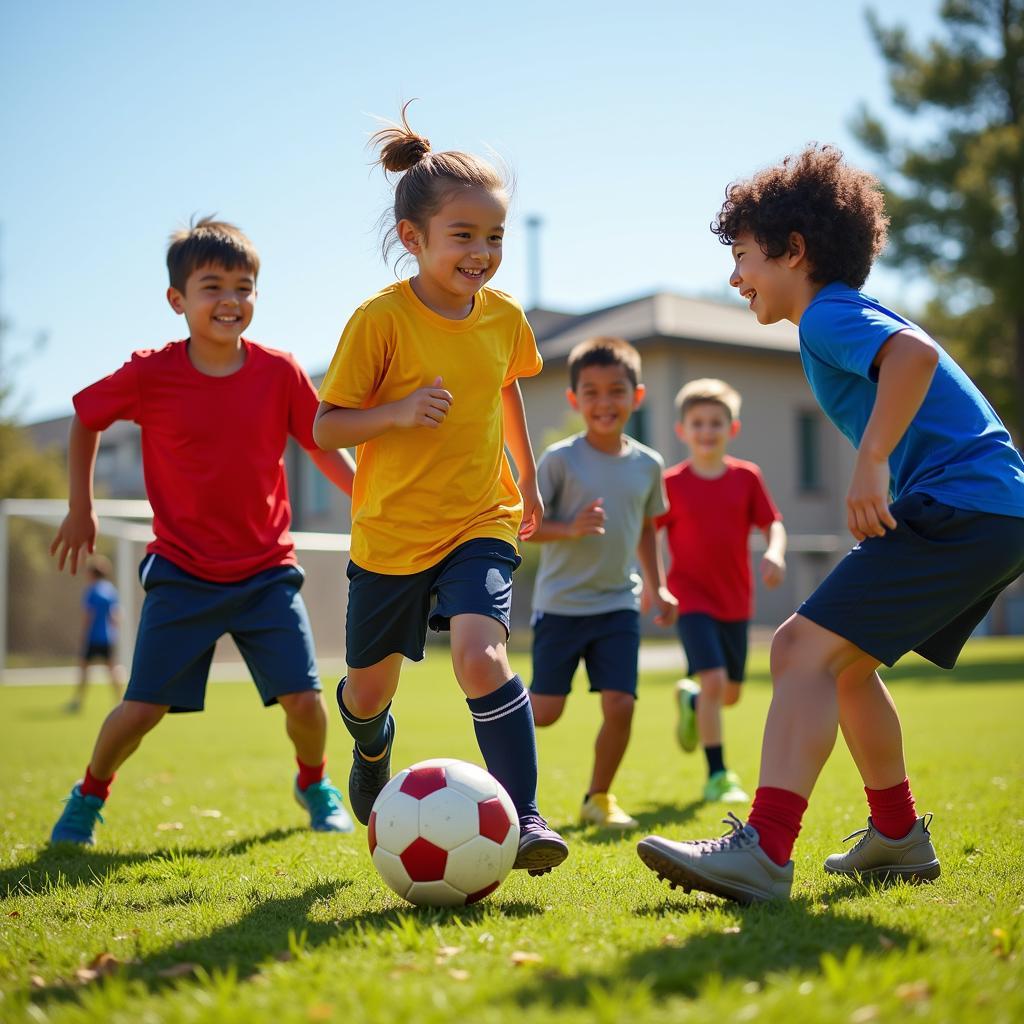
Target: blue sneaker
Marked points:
77	823
368	778
326	808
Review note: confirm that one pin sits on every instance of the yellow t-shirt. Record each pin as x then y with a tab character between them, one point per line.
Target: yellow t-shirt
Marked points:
419	493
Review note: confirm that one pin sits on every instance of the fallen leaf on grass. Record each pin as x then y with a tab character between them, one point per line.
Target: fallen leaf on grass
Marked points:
168	826
521	956
885	942
444	952
669	940
914	991
100	966
320	1011
182	970
459	975
284	956
14	913
732	930
865	1014
37	981
211	812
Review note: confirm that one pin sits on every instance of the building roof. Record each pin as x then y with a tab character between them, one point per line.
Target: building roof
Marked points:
662	316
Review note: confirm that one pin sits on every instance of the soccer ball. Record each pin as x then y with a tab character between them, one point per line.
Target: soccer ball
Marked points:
443	833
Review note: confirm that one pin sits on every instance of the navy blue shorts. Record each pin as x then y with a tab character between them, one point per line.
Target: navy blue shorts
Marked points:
97	652
609	645
922	587
183	616
389	614
711	643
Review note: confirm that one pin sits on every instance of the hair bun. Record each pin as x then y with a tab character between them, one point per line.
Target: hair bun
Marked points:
403	150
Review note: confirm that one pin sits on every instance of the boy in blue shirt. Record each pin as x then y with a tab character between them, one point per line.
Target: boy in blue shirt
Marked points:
936	505
101	612
602	491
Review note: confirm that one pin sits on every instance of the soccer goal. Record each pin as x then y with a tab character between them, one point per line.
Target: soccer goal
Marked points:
40	612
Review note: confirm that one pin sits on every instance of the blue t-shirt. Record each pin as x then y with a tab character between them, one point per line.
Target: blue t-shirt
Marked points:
99	601
956	449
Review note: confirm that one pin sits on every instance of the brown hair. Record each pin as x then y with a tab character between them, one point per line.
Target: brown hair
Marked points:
604	352
839	210
100	567
208	241
429	179
708	390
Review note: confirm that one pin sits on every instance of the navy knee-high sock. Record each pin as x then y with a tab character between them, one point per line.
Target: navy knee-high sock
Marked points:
370	734
503	722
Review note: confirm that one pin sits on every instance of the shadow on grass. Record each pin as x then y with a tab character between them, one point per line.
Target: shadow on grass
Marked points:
69	864
762	940
655	818
975	669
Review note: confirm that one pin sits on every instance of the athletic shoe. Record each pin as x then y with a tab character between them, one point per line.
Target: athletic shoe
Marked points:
725	788
368	778
686	725
603	809
326	808
540	848
77	823
733	867
876	856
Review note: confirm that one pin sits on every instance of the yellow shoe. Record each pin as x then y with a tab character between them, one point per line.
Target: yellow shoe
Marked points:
603	809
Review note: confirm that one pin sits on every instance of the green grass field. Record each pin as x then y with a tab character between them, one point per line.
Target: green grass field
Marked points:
207	900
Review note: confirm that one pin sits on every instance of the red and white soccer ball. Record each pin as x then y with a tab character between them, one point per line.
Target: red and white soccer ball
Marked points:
443	833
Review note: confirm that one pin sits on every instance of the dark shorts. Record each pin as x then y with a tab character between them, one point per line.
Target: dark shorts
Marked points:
97	652
922	587
609	645
184	616
711	643
390	614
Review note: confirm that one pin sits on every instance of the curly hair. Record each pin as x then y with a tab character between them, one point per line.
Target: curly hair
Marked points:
839	210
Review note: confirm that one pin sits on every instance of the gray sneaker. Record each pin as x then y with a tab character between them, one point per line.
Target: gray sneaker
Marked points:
733	867
878	857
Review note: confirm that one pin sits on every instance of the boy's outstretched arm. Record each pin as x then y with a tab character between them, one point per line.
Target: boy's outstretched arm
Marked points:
773	561
338	466
80	525
517	437
906	364
666	606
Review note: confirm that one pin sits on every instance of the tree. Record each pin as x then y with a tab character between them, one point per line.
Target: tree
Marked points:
956	200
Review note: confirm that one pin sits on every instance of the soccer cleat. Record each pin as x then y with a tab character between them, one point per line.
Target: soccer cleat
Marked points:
77	822
686	724
876	856
540	848
603	809
368	778
724	788
733	867
325	806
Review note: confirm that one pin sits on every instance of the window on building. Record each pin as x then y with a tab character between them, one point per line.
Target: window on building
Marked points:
637	425
808	432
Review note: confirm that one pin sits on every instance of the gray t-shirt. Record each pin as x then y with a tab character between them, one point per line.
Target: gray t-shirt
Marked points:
597	573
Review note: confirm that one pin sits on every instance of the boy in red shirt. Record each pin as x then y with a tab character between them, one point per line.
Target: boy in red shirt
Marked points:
714	501
216	411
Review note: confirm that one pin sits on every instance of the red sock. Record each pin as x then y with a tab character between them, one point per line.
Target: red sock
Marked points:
892	810
310	773
91	786
776	815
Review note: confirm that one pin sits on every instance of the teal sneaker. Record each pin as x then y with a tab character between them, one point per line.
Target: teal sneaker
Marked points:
686	725
725	788
77	823
325	806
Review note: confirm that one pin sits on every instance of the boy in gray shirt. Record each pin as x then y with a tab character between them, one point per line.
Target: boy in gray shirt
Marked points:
602	491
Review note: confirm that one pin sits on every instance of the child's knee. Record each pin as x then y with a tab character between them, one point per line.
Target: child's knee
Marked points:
713	685
733	692
546	710
307	706
617	707
139	717
785	646
480	666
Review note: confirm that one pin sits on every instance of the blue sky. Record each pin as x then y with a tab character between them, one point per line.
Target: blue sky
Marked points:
622	126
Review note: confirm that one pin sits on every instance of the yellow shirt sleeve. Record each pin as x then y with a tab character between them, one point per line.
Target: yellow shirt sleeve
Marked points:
359	364
526	360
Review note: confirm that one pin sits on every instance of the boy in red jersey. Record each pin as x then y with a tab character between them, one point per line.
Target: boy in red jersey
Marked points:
714	501
216	411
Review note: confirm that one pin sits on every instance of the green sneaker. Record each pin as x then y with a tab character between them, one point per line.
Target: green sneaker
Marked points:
686	725
876	856
725	788
325	806
733	867
77	823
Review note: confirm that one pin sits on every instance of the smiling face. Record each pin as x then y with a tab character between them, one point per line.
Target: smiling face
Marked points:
605	397
217	303
459	250
706	430
771	288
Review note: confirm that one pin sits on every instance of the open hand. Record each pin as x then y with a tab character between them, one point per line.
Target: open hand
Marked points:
867	501
773	571
78	531
533	508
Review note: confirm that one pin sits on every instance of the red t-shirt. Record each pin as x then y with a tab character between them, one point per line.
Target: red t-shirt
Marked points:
212	453
709	524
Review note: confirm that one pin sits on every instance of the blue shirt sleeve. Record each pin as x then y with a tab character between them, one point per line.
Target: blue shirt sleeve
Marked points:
848	335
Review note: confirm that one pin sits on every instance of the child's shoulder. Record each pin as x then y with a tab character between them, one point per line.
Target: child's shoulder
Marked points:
644	453
383	301
837	307
563	448
494	297
742	467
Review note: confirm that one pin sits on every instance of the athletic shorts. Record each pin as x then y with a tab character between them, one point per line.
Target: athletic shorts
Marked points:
389	614
922	587
97	652
183	616
609	645
711	643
